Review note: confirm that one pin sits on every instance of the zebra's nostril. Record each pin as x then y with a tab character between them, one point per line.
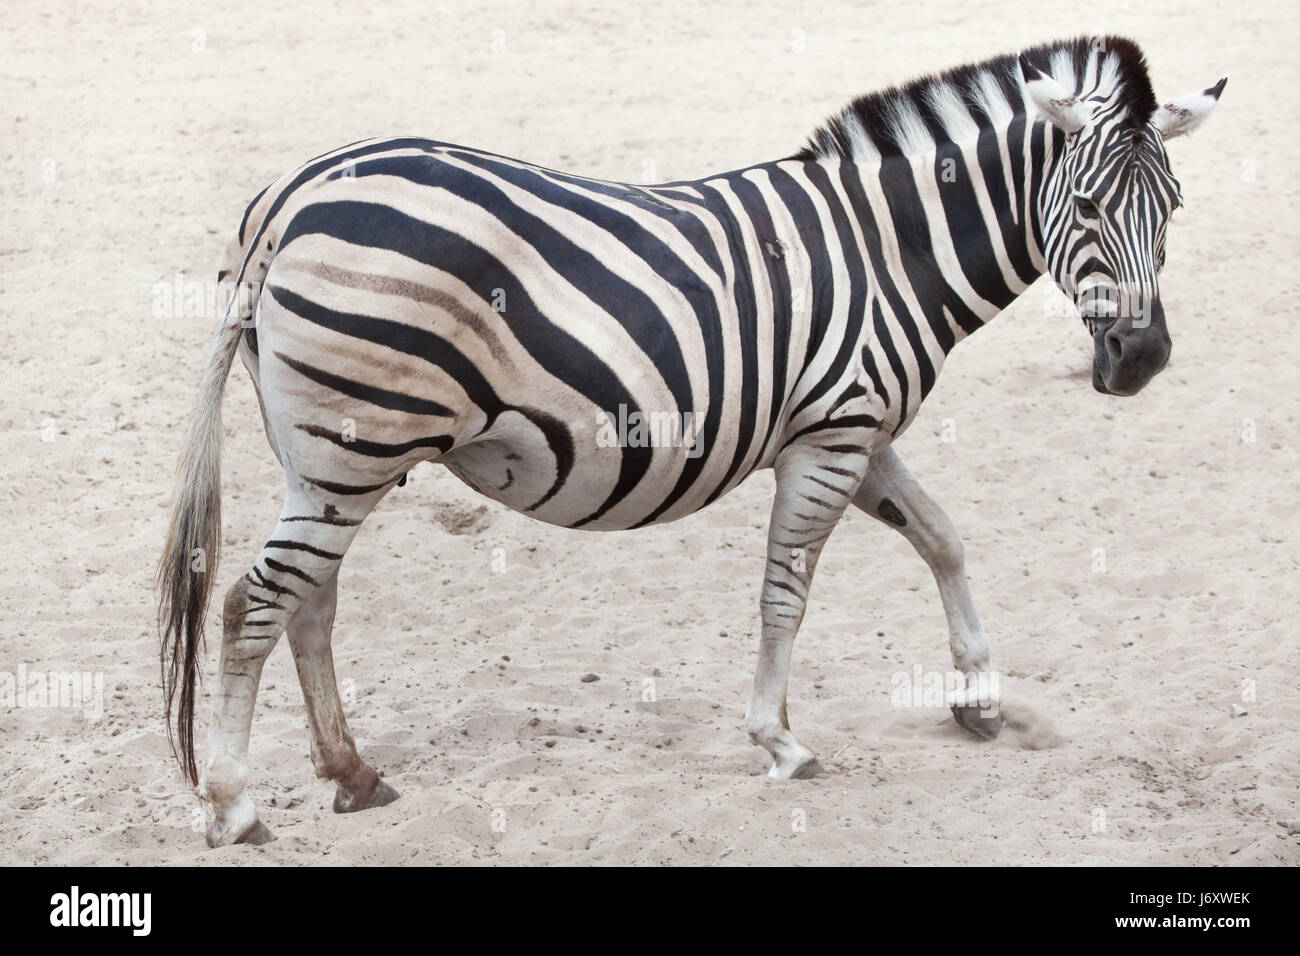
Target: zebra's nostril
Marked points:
1113	348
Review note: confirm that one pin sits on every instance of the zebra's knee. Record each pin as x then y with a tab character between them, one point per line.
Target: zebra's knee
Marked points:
952	552
944	548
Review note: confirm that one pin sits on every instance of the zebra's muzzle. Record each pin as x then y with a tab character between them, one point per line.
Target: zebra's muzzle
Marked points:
1127	354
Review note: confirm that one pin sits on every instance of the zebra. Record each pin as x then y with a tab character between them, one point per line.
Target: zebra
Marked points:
404	300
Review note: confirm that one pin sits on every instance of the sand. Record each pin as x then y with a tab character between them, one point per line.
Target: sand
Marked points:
134	134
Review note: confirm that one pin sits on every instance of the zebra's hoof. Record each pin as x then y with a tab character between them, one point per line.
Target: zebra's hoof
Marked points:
810	768
350	801
257	835
235	821
813	768
978	721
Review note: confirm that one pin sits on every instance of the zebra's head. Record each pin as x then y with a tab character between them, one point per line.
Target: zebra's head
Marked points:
1104	209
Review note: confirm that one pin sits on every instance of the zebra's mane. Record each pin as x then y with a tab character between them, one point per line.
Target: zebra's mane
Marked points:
953	105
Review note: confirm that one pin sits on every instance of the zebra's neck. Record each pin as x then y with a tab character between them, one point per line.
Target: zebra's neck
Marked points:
947	236
964	217
896	257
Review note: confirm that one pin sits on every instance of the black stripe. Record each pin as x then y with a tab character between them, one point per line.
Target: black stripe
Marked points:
846	421
315	168
893	358
282	568
857	290
778	283
248	211
339	488
332	519
375	449
284	544
972	238
394	401
746	329
821	272
911	229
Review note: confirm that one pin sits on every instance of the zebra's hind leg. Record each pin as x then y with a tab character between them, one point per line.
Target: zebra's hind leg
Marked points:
333	751
892	496
814	484
303	554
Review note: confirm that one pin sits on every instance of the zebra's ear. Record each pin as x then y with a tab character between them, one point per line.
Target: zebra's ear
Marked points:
1187	112
1058	105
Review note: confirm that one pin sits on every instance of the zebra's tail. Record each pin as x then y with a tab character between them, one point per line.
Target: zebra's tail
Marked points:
189	560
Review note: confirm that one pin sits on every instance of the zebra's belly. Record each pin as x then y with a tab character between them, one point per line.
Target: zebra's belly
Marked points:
588	483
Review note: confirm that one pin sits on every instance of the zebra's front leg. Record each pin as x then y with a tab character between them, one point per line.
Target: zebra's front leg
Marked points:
813	487
333	751
892	496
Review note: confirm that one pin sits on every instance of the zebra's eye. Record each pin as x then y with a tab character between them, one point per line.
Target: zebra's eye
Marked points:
1086	206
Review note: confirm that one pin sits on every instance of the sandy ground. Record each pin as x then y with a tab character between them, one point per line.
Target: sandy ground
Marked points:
135	133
